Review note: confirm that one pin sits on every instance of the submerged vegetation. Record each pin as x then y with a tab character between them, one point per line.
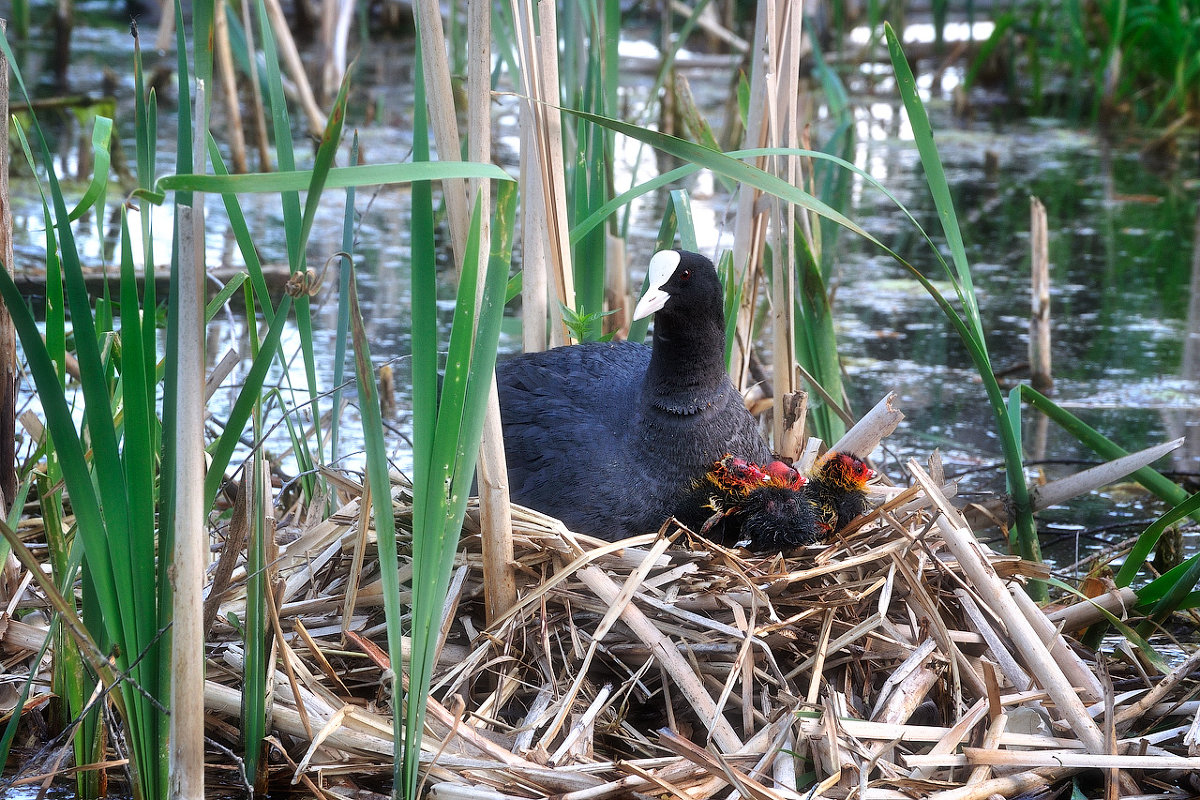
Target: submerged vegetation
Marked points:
122	491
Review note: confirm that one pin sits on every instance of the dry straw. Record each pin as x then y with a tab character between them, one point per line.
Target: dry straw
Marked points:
902	659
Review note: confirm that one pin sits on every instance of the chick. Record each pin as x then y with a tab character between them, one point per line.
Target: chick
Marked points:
739	502
837	491
772	507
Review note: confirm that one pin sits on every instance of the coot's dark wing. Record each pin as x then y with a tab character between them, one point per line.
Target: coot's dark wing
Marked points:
566	415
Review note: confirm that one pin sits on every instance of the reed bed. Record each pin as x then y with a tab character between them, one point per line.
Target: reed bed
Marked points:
902	659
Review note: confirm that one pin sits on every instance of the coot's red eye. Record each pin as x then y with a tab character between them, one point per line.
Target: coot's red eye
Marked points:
683	276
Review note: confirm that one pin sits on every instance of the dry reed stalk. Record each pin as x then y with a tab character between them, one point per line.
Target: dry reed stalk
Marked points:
1008	665
550	152
535	292
544	221
235	540
750	221
260	115
999	511
302	90
1039	320
186	749
1118	602
874	426
166	26
228	77
1071	664
611	641
336	16
500	586
782	74
720	730
793	409
1160	690
969	553
358	554
440	105
9	374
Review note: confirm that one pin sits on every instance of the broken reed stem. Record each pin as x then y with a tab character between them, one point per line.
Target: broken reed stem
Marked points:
1038	660
9	376
874	426
186	740
1039	321
495	510
1076	617
668	655
1082	678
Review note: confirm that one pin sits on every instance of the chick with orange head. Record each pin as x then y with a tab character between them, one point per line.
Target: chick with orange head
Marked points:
837	491
772	507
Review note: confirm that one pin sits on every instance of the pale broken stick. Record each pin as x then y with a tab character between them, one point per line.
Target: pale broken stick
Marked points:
999	510
1038	660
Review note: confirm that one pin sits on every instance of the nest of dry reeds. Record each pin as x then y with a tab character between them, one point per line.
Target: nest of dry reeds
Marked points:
903	659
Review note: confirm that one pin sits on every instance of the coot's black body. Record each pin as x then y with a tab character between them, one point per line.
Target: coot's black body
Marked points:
611	437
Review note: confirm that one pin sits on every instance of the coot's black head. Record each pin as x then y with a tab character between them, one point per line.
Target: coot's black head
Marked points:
682	285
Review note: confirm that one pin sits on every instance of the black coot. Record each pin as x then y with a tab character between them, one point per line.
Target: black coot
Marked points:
611	437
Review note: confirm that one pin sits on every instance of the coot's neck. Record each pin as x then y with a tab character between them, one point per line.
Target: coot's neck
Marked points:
688	362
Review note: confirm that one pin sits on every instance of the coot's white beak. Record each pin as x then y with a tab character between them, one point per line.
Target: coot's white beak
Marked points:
662	267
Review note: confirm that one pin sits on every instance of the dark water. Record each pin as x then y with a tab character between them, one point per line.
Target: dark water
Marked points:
1121	247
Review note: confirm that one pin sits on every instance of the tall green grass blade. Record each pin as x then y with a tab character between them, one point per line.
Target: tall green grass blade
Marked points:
257	644
970	321
726	164
816	339
1013	423
343	315
1145	543
227	443
936	177
1176	592
471	359
685	221
112	584
241	234
1156	590
336	178
330	140
733	282
293	224
435	480
140	460
56	315
504	220
218	301
425	414
1135	639
94	194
